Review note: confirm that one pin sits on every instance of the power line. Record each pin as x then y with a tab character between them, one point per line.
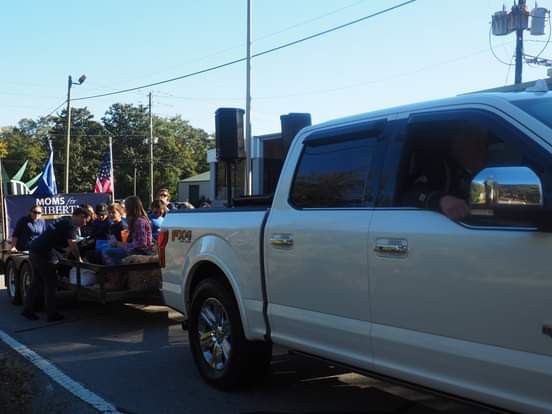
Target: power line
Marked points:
57	107
233	62
285	29
492	49
381	80
266	36
333	29
509	69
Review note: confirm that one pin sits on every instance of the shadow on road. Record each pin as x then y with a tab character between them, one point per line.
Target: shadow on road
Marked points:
138	358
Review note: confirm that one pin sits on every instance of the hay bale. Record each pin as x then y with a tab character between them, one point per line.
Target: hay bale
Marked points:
146	279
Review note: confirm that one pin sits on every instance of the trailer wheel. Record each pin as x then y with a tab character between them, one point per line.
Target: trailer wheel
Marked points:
12	283
25	277
224	357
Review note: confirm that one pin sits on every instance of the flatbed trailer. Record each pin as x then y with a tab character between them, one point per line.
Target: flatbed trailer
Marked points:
18	272
98	291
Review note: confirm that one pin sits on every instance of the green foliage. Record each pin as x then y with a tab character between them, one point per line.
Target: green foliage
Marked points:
24	142
89	143
180	151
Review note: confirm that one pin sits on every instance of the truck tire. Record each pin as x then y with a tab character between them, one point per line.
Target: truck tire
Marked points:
25	276
224	358
12	283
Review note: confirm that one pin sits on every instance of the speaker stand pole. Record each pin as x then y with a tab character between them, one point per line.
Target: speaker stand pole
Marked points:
228	171
248	151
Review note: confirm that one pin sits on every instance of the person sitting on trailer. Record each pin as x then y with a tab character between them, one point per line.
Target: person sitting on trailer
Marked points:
117	226
87	230
27	229
156	216
100	225
139	240
45	252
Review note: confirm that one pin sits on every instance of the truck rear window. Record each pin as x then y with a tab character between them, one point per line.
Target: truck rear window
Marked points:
333	175
537	108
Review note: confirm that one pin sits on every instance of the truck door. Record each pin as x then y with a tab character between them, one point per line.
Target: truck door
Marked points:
461	303
316	242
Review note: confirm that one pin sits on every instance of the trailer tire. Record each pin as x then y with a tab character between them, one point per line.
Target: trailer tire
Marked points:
25	277
224	357
12	283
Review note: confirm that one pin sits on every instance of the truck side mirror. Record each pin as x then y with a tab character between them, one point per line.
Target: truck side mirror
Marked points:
506	189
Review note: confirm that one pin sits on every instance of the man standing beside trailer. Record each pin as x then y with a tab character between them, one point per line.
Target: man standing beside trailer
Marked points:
45	252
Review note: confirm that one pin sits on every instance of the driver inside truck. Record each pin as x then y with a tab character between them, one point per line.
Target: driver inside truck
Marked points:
442	180
27	229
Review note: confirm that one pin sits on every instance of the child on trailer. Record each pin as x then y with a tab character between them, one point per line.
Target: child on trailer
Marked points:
139	241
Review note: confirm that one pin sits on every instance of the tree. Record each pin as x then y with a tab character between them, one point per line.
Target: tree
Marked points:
26	142
89	144
3	149
180	151
129	126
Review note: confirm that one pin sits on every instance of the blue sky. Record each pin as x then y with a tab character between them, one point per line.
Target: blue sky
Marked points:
426	50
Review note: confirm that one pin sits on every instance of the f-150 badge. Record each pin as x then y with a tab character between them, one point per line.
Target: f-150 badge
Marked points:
183	236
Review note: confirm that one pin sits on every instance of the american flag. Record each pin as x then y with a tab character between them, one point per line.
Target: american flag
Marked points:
103	182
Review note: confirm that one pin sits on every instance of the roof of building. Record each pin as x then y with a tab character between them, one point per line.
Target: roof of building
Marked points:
206	176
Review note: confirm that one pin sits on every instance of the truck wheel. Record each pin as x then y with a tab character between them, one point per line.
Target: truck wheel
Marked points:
12	283
224	357
25	276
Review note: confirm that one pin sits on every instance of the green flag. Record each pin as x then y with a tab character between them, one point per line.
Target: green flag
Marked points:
19	174
33	181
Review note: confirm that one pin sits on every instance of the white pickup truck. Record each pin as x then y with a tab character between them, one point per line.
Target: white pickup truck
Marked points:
347	265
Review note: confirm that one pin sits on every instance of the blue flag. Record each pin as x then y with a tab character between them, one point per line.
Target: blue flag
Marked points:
47	182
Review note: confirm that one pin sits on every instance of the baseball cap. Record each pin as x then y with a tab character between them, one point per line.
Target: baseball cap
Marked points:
101	208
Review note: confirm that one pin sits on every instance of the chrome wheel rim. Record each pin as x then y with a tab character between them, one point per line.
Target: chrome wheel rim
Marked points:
11	281
214	334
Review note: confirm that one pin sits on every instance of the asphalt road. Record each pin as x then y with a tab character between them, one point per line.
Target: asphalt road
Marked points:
137	358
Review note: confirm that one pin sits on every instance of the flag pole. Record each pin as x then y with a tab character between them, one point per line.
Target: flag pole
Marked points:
111	168
2	206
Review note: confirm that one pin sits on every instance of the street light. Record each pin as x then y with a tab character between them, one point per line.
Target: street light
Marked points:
68	129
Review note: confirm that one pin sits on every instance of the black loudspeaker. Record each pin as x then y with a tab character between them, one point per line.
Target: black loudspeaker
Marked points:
291	124
229	133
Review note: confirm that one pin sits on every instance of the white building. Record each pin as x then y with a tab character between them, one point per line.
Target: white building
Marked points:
194	189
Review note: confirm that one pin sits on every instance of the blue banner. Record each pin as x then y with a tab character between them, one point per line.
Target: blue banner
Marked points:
54	207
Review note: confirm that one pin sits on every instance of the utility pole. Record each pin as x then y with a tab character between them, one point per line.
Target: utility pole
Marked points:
2	206
112	173
135	174
517	21
68	128
248	152
151	150
519	41
68	136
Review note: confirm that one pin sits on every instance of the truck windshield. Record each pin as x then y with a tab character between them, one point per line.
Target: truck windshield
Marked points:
537	108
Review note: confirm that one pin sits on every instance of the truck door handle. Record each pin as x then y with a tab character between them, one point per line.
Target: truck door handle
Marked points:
281	240
391	247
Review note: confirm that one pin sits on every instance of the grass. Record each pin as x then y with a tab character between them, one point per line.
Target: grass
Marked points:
16	389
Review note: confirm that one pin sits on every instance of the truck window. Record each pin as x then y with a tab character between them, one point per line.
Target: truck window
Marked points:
440	158
333	174
537	108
